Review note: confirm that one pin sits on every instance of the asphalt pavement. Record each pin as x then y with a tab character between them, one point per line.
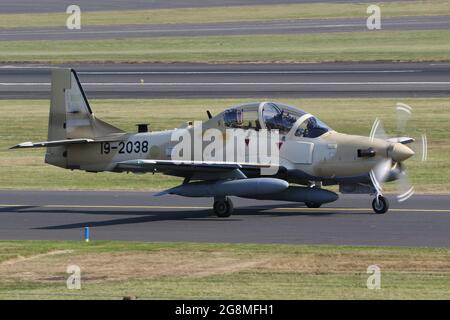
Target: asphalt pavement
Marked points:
423	220
237	80
26	6
222	29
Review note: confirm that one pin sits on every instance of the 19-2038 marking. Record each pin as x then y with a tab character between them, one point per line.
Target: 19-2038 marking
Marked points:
124	147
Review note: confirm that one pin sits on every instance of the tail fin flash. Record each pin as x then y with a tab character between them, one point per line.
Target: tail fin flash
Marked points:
71	116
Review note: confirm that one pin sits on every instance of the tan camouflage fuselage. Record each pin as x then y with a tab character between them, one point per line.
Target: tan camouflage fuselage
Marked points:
79	140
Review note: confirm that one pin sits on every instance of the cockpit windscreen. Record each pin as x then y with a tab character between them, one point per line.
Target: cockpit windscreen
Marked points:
311	128
280	117
276	116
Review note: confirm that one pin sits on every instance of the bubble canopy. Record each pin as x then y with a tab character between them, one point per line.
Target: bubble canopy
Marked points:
274	116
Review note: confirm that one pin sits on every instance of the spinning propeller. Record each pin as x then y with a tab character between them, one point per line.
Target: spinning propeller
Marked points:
391	166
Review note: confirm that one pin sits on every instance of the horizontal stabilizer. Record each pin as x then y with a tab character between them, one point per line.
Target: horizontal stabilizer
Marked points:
53	143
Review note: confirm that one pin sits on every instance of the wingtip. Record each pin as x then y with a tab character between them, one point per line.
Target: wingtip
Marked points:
22	145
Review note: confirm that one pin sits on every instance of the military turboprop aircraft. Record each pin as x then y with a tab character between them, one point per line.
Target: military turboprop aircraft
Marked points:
311	154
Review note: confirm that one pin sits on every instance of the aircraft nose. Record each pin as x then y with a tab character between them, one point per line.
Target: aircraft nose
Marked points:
400	152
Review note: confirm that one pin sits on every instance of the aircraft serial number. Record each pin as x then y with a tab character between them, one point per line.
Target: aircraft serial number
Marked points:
124	147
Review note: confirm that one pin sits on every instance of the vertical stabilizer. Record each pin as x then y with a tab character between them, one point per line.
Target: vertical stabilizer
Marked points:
71	116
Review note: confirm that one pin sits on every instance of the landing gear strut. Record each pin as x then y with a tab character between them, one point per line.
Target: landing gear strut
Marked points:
223	207
380	204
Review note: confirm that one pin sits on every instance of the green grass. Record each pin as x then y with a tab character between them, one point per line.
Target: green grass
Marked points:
112	270
26	120
350	46
229	14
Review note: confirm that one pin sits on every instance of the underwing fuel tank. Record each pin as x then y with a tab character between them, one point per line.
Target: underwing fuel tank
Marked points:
238	188
301	194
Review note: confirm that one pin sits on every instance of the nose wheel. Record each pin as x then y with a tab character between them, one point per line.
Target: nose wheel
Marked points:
223	208
380	204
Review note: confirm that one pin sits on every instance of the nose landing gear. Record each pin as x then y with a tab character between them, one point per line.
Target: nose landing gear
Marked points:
380	204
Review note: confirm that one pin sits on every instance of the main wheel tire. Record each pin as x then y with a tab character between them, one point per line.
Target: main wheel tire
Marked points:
380	205
313	204
223	208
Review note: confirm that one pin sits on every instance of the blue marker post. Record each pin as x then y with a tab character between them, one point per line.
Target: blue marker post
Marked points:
86	234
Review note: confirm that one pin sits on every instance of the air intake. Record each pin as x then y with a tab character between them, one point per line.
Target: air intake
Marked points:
369	153
142	127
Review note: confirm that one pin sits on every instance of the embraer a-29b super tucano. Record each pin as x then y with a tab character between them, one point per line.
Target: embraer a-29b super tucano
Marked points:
305	156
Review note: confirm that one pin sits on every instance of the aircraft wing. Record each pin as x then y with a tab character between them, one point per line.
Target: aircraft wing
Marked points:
184	167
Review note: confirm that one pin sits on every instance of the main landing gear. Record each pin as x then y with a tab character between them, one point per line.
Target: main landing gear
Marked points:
223	207
380	204
313	204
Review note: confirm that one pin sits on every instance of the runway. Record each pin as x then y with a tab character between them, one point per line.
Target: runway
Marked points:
423	220
237	80
25	6
222	29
